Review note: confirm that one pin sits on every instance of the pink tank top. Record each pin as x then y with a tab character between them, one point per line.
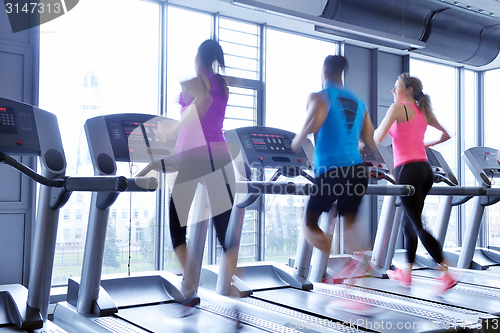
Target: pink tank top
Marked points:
408	139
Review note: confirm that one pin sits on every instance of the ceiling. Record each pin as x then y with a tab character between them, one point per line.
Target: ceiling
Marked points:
309	9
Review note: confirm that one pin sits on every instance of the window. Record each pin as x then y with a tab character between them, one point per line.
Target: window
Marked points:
66	234
287	90
78	233
124	213
470	124
146	213
439	82
79	197
78	214
113	213
66	214
113	69
491	140
182	49
240	42
136	213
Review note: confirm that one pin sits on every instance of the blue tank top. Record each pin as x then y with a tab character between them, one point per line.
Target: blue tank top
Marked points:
337	141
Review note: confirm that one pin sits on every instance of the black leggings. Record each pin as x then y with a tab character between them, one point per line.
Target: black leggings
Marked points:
213	168
418	174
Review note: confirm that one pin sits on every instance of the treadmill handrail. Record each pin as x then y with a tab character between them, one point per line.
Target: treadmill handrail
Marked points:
458	190
70	184
4	158
404	190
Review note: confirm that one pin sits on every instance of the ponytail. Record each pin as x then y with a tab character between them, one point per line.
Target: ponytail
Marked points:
209	52
424	103
423	100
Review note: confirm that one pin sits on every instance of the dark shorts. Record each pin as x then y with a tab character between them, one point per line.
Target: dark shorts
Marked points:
346	185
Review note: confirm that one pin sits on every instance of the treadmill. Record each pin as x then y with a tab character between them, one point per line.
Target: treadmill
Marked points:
34	132
486	298
482	162
282	289
146	301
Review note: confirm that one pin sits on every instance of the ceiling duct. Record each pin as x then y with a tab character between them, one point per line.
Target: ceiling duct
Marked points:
449	33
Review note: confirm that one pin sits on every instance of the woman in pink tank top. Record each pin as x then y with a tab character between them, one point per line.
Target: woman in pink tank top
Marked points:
406	122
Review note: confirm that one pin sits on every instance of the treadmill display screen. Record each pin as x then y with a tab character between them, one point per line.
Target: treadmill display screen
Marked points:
134	131
489	158
271	143
7	121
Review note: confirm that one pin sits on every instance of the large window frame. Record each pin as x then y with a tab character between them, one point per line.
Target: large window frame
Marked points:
259	86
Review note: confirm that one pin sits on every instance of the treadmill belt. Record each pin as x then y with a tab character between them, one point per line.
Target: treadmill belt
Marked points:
168	318
484	299
481	278
395	313
210	318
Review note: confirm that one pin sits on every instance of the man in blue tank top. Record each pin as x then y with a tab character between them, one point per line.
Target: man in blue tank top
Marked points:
338	119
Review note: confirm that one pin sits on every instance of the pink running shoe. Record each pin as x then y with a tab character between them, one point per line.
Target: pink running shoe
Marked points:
345	273
400	276
359	308
447	282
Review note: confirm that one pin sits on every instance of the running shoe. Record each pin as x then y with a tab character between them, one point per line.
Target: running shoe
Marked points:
345	273
189	306
355	307
447	282
400	276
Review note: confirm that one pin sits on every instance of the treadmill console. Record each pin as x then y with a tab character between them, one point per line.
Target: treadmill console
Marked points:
379	162
18	134
267	147
483	163
374	159
440	169
132	136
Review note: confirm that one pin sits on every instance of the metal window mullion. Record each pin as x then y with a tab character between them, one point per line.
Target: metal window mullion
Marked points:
160	193
480	139
480	109
235	43
261	121
373	112
242	69
211	236
238	56
239	31
460	145
241	106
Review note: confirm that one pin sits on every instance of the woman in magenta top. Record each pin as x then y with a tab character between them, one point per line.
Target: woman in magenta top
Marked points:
406	122
202	151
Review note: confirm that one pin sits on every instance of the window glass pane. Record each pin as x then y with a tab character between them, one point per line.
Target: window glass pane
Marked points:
182	49
439	82
113	68
293	71
492	140
181	53
240	42
470	118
